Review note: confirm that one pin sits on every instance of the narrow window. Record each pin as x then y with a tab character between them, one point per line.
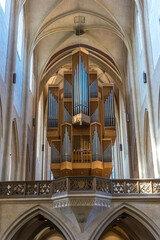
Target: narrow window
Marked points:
20	34
139	35
3	4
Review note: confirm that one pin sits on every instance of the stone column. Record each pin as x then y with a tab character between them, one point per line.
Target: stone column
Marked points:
148	63
10	69
22	167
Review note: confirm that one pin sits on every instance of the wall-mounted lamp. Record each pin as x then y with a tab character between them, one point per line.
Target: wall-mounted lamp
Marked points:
120	147
128	119
42	147
14	78
144	77
34	122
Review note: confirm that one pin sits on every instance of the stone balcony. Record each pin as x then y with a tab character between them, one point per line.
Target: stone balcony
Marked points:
70	186
81	201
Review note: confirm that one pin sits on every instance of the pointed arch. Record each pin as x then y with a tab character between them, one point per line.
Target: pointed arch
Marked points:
150	228
14	152
29	215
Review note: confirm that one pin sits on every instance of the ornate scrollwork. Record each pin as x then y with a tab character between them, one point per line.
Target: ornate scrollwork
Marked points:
156	187
118	187
102	186
44	188
60	186
81	184
18	189
131	187
5	189
145	187
81	202
31	188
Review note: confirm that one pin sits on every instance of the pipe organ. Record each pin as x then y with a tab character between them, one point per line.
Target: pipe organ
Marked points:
81	124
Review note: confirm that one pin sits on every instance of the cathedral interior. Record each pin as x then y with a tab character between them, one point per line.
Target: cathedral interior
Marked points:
79	119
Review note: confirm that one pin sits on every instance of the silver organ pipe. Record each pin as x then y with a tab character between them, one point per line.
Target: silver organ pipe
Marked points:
49	107
93	89
96	147
67	116
112	109
107	155
109	110
83	91
80	88
66	147
67	89
55	154
94	116
80	83
52	111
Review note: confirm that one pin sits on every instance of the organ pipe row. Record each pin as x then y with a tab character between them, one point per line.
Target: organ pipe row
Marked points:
109	111
67	89
52	111
67	116
81	125
94	116
93	89
66	147
107	154
55	154
96	147
80	89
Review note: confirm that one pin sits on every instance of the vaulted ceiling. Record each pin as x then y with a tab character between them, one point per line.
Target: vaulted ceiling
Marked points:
107	33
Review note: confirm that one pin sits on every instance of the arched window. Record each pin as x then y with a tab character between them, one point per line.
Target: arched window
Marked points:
5	7
140	53
154	26
139	34
20	34
3	4
19	63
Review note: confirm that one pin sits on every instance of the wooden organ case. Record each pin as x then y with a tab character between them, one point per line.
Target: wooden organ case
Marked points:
81	123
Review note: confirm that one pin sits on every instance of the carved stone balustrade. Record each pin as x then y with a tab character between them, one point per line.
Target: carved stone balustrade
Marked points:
79	185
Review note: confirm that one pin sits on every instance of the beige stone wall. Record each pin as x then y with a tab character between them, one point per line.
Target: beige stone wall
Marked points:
15	213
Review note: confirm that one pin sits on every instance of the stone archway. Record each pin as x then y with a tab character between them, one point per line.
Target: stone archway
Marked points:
34	221
122	224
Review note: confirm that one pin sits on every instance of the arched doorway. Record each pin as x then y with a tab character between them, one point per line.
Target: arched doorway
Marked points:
127	223
38	223
126	227
39	228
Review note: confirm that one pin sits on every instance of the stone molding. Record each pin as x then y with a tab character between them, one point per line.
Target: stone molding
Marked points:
89	202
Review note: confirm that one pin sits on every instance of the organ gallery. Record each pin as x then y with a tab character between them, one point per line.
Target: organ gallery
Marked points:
81	122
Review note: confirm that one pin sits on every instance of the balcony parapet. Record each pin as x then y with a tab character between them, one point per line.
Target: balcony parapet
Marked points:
79	185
